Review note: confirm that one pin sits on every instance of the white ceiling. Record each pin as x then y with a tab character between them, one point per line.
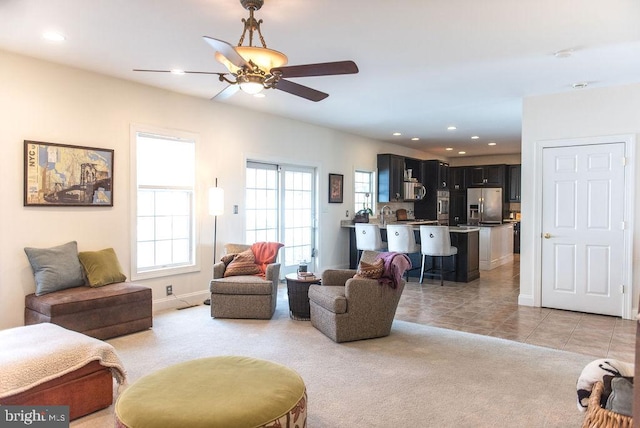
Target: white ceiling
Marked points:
424	64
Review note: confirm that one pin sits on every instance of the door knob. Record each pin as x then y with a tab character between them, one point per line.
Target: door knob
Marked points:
547	235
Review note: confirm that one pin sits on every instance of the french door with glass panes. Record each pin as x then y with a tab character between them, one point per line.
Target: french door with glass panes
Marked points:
280	206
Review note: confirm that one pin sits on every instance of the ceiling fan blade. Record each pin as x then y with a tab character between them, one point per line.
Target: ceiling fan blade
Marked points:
320	69
226	93
227	50
300	90
181	71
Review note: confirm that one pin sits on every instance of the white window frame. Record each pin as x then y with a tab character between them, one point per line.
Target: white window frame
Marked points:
194	265
357	202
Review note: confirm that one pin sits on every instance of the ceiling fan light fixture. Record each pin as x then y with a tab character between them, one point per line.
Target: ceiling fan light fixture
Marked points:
251	84
263	58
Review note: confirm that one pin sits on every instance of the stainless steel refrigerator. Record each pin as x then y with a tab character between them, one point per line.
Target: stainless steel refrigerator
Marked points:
484	205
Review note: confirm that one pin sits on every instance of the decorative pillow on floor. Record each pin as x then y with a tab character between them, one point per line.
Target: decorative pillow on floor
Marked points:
55	268
243	263
102	267
370	270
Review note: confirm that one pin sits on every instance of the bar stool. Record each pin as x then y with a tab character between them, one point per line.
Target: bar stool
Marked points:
435	242
401	239
368	237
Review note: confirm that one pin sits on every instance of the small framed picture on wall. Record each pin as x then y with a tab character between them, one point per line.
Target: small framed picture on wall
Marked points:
336	188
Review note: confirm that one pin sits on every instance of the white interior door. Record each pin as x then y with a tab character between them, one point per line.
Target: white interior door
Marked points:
583	229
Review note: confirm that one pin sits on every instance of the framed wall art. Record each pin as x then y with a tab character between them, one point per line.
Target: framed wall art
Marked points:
336	187
63	175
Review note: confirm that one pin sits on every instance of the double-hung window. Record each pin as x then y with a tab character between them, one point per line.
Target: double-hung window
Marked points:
363	191
164	224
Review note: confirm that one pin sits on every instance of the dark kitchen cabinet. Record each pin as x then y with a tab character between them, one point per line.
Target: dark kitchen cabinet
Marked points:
457	178
390	177
457	207
435	175
513	177
486	175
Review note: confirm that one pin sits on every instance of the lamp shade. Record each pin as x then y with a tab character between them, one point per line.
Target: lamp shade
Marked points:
216	201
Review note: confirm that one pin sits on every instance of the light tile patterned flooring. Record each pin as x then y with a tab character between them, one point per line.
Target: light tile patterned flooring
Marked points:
488	306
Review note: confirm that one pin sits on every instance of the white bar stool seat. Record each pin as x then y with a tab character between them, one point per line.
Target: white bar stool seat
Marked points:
368	237
401	239
435	242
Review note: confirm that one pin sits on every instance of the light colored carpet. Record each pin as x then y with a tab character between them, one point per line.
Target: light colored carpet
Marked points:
418	376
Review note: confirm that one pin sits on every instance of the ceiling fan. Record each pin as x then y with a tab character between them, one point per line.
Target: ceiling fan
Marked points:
254	68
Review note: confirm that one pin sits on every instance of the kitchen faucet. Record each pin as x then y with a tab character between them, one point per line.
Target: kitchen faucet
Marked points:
384	215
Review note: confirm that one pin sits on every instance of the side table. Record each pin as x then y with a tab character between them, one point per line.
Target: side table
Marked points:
298	292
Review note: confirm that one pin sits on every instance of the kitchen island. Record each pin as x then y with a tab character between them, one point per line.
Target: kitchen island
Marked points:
496	245
465	238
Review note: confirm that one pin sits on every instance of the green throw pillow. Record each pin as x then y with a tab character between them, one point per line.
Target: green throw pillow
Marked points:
102	267
55	268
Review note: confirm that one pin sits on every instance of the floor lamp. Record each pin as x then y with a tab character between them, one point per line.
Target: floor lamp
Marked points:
216	208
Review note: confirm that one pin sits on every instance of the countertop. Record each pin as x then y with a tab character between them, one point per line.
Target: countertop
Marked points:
416	225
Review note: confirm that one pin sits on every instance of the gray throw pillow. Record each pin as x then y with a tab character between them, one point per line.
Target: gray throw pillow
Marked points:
621	398
55	268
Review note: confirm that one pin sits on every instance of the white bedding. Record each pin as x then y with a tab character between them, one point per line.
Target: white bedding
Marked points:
34	354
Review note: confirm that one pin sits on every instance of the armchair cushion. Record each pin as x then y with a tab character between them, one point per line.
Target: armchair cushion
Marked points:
243	263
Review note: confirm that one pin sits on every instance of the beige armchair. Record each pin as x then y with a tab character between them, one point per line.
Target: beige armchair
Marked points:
346	308
244	296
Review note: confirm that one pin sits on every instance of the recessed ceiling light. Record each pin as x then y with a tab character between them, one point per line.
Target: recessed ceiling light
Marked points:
53	36
475	137
177	71
451	128
397	133
449	149
491	144
580	85
415	139
462	153
564	53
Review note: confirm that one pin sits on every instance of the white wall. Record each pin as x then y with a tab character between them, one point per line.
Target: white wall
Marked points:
577	114
47	102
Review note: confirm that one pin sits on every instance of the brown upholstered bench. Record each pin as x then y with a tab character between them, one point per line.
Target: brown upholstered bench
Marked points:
100	312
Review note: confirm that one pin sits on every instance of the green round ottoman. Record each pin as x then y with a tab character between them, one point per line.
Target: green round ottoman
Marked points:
225	392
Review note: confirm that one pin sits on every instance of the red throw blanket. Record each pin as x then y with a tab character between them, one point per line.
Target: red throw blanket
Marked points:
265	253
395	264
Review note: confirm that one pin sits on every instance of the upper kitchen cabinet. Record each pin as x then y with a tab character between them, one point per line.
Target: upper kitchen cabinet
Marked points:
391	175
486	175
435	175
457	178
390	178
513	185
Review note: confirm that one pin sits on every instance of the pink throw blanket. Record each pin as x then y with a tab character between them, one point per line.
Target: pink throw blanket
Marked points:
395	264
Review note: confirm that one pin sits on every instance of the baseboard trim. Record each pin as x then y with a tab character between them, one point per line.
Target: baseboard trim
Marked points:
176	301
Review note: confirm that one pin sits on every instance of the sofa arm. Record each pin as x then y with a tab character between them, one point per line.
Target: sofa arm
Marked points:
272	273
218	270
337	276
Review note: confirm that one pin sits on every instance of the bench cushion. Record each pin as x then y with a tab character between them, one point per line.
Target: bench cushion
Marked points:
102	312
